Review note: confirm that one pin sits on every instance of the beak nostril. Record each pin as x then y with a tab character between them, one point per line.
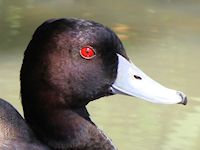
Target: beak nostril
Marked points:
137	77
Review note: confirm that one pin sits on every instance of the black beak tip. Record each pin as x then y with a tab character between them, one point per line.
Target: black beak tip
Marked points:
183	97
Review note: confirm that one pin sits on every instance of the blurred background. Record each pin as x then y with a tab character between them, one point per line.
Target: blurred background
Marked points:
162	37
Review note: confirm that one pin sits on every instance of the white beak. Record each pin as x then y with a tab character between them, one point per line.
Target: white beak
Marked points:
132	81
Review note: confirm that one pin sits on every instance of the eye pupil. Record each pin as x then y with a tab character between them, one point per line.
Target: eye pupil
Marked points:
87	52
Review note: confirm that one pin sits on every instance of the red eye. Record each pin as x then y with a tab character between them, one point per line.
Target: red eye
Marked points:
87	52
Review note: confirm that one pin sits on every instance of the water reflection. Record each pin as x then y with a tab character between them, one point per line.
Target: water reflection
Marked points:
161	37
122	31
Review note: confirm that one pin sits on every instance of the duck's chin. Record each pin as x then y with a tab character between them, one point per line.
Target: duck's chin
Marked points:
133	82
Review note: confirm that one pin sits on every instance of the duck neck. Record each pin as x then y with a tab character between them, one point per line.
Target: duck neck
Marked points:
69	129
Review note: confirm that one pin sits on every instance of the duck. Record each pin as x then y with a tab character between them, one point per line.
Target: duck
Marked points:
15	134
68	63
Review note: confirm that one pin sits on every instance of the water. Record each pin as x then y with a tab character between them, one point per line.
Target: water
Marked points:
162	37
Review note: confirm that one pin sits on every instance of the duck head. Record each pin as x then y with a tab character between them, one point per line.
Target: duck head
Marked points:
70	62
58	58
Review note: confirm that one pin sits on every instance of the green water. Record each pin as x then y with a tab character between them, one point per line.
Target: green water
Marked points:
162	37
